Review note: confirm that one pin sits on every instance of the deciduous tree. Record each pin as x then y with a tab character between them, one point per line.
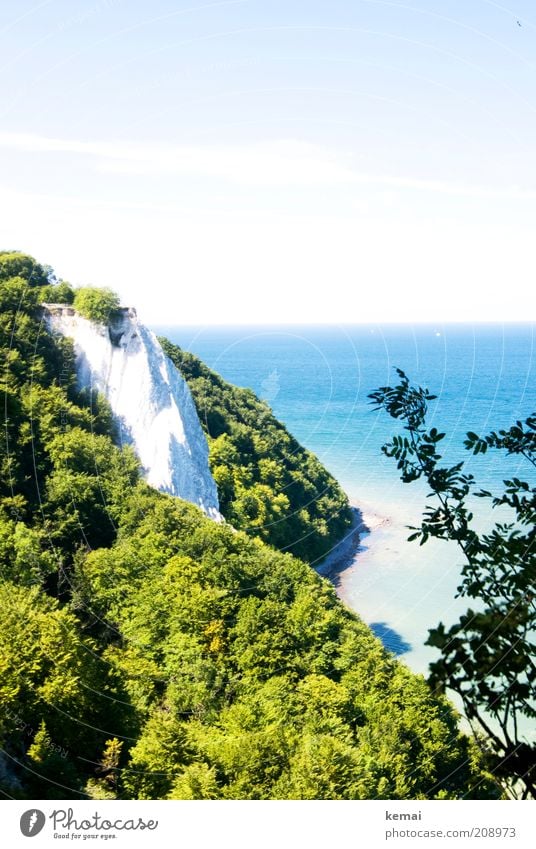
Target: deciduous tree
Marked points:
488	656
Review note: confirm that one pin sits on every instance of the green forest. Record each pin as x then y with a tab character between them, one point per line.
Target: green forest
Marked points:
150	653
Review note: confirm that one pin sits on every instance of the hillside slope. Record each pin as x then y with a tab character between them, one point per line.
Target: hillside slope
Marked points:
149	652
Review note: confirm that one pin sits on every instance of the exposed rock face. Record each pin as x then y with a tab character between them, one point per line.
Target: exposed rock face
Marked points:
149	398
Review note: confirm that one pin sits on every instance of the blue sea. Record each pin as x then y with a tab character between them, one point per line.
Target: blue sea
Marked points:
317	379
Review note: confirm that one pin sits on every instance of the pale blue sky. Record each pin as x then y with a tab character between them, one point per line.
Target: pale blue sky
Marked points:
262	160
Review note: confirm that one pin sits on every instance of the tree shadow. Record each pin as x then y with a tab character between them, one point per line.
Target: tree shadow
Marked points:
392	640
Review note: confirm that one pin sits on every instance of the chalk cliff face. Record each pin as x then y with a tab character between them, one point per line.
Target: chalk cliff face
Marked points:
149	398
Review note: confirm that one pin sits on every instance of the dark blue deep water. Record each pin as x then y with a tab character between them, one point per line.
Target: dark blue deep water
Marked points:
317	379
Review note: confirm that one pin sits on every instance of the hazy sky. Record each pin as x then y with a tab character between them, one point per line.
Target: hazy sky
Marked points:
276	160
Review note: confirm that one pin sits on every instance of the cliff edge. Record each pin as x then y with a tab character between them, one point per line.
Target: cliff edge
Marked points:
150	400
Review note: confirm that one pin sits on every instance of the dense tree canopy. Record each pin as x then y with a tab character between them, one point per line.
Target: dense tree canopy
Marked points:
249	679
148	652
99	305
17	264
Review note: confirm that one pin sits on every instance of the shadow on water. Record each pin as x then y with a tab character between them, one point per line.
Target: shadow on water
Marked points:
341	558
391	639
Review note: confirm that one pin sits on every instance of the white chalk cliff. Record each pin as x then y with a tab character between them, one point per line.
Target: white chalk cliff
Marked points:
150	400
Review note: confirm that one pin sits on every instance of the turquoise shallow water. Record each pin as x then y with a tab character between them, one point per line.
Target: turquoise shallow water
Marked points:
317	379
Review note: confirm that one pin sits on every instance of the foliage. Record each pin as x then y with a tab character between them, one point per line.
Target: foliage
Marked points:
59	469
147	652
25	557
57	293
17	264
104	784
487	658
268	484
99	305
250	679
50	687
